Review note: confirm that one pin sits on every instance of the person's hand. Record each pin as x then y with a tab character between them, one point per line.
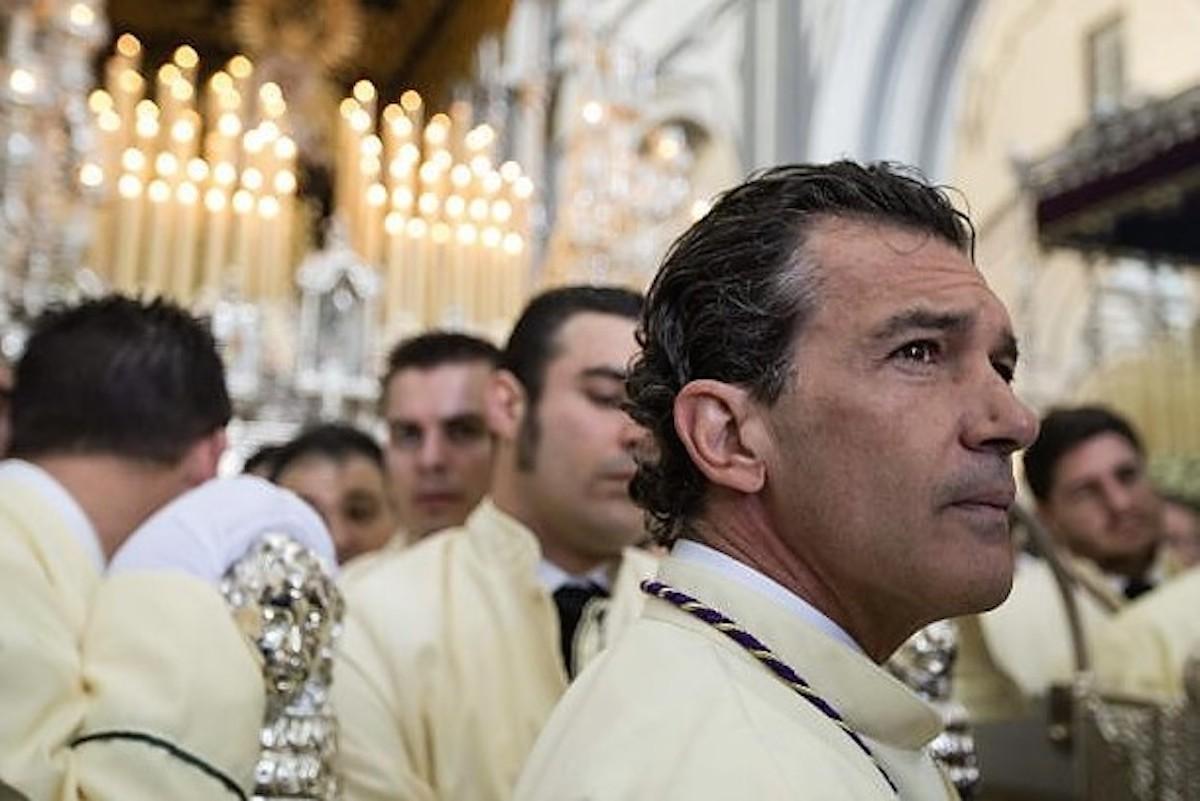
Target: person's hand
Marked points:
205	530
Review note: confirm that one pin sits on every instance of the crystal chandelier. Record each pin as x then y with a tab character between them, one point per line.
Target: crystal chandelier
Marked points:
625	188
45	139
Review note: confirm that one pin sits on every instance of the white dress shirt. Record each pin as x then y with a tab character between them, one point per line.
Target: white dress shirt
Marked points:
551	576
45	485
700	554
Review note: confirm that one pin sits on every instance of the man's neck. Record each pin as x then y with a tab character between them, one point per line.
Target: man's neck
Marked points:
741	529
510	498
116	494
1134	567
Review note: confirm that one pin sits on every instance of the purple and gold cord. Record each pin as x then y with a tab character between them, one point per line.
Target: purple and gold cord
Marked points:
764	655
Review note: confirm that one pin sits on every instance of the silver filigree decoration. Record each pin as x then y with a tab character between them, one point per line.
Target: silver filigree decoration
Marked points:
287	603
1135	749
924	663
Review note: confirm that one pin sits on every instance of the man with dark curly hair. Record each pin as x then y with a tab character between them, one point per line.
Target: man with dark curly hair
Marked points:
827	377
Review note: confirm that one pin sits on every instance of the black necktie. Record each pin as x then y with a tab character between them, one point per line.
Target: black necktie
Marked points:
571	600
1137	586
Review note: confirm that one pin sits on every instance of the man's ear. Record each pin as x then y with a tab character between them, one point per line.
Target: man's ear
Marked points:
724	433
201	460
505	403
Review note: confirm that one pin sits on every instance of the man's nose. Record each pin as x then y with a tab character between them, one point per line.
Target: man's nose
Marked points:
343	539
1117	497
631	434
432	453
1003	423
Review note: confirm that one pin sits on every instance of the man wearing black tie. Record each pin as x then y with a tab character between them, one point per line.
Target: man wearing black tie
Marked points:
456	650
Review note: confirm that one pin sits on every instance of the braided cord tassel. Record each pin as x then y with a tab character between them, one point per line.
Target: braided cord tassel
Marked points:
764	655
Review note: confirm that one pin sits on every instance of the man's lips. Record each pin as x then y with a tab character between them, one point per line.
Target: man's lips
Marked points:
998	498
442	498
619	475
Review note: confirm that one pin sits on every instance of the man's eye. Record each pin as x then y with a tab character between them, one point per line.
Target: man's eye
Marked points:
362	511
1128	475
607	400
464	431
922	351
405	436
1005	371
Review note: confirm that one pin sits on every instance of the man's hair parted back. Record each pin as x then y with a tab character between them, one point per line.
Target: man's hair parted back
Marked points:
736	289
435	348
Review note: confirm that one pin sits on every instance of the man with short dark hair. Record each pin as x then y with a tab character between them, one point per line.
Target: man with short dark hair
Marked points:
122	674
455	650
827	377
339	470
1087	471
439	450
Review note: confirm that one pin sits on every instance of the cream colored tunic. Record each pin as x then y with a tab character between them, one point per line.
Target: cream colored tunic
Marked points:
449	663
1012	655
676	710
153	654
1145	647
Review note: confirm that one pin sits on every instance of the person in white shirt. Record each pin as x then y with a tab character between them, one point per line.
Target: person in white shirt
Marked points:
122	672
827	378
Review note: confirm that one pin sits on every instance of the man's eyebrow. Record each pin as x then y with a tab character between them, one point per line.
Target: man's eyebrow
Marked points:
610	373
463	417
921	319
952	322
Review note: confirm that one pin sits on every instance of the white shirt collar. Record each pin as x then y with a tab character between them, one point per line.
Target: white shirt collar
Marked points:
699	554
551	576
56	495
1155	575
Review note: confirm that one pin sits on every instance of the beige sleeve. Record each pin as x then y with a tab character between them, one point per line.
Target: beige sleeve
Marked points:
382	747
1146	648
159	697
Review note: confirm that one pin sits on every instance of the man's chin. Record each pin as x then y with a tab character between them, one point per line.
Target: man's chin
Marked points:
433	524
989	592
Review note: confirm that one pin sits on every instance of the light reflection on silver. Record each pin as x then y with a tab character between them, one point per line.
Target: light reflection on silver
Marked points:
925	663
287	603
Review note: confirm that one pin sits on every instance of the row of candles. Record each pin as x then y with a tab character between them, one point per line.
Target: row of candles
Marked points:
425	203
192	202
197	194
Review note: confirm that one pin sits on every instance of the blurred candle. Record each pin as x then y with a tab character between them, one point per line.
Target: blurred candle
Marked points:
129	233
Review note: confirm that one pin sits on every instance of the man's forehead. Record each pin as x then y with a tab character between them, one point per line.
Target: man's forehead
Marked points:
444	390
1093	459
592	341
358	469
1104	449
878	271
880	253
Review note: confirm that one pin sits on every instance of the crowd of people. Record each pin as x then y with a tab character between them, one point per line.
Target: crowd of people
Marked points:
651	548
